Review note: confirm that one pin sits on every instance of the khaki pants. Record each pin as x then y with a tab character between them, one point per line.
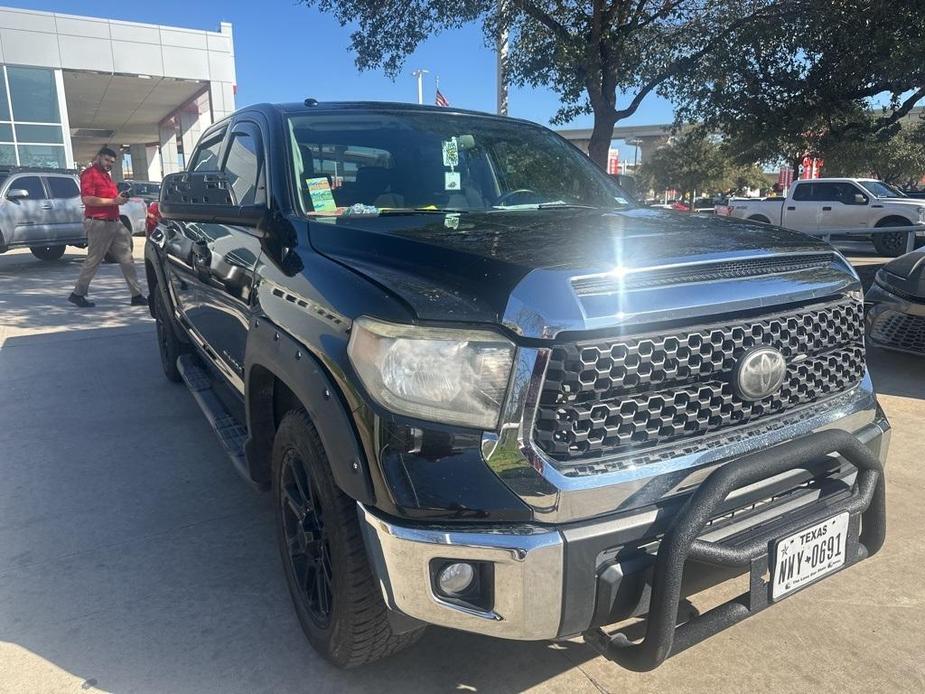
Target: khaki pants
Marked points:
104	236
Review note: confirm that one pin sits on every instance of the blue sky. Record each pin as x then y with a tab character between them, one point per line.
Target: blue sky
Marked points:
286	52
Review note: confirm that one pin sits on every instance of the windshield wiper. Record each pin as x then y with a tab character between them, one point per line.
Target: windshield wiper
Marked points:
565	205
420	210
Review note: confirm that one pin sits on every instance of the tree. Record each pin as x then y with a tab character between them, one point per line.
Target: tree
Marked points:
602	57
898	159
786	89
695	161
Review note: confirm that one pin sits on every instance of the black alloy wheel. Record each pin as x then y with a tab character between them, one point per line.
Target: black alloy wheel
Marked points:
306	537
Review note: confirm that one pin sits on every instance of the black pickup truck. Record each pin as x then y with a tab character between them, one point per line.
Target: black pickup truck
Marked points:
490	392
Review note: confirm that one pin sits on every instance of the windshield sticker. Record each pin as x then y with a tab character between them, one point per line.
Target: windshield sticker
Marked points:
451	221
451	180
319	190
451	152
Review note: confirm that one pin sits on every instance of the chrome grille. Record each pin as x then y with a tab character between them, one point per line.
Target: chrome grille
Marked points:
631	394
900	331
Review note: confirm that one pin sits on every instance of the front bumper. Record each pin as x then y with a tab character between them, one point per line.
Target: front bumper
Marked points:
895	322
556	581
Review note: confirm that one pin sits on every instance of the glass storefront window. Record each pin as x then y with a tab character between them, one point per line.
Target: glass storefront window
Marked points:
41	155
39	133
6	132
33	95
7	155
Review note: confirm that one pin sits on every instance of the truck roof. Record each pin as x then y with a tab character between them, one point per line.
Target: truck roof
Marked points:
372	107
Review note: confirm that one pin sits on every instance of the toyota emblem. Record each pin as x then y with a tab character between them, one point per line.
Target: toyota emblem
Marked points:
760	373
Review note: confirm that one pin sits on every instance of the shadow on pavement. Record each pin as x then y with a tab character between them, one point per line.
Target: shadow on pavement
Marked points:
132	556
896	373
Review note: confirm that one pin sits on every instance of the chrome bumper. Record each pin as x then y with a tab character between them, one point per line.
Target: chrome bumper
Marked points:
544	583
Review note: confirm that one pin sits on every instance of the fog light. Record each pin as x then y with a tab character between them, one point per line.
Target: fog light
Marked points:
455	578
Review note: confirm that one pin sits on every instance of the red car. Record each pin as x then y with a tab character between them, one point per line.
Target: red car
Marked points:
152	217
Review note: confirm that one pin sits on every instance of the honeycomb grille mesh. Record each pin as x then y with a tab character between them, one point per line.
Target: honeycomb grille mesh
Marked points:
900	330
627	395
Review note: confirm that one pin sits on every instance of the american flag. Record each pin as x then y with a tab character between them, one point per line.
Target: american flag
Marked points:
441	100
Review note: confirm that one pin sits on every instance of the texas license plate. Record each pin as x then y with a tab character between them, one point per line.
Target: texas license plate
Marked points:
809	555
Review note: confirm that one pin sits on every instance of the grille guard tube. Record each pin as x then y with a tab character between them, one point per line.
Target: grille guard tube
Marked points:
866	506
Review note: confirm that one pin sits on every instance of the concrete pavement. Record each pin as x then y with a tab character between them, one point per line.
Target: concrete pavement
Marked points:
133	559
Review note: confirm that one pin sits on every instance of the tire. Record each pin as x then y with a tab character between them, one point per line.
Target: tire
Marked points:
891	245
108	258
168	345
48	253
338	602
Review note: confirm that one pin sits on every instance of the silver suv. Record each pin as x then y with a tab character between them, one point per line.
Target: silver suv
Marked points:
40	209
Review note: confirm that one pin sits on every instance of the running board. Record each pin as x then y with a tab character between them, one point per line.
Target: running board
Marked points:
230	433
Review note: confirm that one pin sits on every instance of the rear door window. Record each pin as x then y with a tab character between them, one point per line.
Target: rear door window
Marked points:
803	191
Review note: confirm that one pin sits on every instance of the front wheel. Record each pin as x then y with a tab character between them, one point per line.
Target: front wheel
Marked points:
168	345
47	252
338	602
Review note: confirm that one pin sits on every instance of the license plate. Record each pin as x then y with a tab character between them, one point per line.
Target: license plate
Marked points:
809	555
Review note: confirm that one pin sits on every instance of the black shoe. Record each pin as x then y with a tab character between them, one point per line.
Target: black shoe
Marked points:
139	300
80	301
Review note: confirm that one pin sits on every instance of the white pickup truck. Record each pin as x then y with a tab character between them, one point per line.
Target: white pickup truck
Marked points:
825	206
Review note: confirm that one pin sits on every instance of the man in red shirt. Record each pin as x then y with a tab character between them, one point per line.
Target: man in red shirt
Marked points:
105	233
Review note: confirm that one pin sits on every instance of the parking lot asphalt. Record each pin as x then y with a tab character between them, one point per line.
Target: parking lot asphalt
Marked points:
134	559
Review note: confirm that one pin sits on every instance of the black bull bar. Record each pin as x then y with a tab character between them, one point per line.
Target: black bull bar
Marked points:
866	506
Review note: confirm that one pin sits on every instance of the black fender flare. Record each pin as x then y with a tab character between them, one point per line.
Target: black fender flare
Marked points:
271	352
153	267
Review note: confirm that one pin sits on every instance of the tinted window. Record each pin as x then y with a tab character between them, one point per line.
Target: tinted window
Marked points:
206	157
803	191
242	165
827	192
61	187
31	183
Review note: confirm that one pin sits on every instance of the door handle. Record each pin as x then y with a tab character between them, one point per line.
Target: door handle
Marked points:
46	206
827	209
791	208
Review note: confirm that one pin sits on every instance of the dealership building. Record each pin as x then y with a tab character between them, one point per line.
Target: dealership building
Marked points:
69	85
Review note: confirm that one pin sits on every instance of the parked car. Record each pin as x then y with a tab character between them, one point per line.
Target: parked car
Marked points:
896	305
837	204
40	209
148	191
506	402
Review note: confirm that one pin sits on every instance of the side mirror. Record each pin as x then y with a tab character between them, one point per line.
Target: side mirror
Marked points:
17	194
197	196
860	199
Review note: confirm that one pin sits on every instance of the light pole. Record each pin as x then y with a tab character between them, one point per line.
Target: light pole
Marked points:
502	59
635	143
419	73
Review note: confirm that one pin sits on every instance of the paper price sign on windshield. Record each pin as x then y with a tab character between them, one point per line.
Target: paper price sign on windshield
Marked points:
451	152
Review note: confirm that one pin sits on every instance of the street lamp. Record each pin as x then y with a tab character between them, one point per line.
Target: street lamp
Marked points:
635	143
419	73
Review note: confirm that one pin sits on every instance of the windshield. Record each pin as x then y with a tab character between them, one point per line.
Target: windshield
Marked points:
436	162
879	189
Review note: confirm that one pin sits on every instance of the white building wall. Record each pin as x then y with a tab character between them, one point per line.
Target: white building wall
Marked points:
69	42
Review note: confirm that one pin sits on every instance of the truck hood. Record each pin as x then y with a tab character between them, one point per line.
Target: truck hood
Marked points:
542	272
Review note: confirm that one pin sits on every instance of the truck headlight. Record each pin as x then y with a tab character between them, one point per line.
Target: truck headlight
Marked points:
921	212
438	374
